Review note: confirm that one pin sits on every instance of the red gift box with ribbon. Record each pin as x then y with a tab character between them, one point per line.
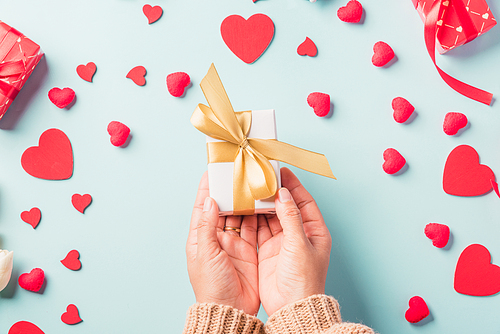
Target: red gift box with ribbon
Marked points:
18	58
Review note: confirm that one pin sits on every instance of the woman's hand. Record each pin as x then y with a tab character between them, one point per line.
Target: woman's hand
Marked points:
222	266
294	247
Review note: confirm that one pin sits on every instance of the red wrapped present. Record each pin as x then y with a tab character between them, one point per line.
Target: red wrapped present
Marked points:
18	58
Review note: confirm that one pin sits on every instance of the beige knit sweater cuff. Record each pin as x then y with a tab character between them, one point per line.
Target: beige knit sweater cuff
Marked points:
203	318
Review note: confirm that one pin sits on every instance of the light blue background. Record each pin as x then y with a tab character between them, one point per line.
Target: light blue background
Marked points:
132	237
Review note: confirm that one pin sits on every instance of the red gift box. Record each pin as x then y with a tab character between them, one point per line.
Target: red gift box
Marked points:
460	21
18	58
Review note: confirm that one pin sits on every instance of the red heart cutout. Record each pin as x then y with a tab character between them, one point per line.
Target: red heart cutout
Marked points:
307	48
402	109
119	133
418	310
474	274
81	202
393	161
495	187
61	97
382	54
152	13
32	217
351	12
137	74
25	327
71	261
454	121
463	175
438	233
177	82
52	159
86	72
32	281
320	102
71	316
247	39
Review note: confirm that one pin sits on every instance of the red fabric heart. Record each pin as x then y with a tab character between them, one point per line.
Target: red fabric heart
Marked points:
177	82
418	310
350	13
320	102
438	233
52	159
463	175
61	97
454	121
119	133
86	72
32	217
402	109
71	261
32	281
81	202
474	274
247	39
307	48
137	75
71	316
393	161
382	54
25	327
152	13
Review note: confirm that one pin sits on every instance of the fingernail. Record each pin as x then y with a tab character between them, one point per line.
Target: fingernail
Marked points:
284	195
208	204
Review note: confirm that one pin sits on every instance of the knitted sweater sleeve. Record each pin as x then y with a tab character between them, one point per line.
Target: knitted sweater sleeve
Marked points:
318	314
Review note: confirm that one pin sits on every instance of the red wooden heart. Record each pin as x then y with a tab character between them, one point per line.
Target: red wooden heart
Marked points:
52	159
71	261
382	54
463	175
307	48
247	39
137	75
71	316
25	327
350	13
32	217
474	274
152	13
61	97
418	310
81	202
32	281
86	72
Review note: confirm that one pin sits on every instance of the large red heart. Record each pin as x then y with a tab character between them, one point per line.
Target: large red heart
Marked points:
418	310
247	39
463	175
474	274
52	159
25	327
307	48
71	261
32	281
32	217
71	316
86	72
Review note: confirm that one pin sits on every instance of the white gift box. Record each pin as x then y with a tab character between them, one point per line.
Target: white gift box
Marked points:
220	175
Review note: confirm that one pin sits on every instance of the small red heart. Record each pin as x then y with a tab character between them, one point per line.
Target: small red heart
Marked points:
119	133
61	97
418	310
71	316
86	72
177	82
438	233
320	102
25	327
52	159
32	281
307	48
382	54
351	13
32	217
463	175
247	39
402	109
71	261
474	274
137	74
152	13
454	121
81	202
393	161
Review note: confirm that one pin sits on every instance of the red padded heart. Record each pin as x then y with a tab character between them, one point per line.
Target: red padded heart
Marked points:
438	233
152	13
25	327
393	161
119	133
307	48
61	97
402	109
453	122
320	102
474	274
177	82
86	72
71	316
32	217
81	202
52	159
350	13
247	39
382	54
71	261
463	175
418	310
32	281
137	75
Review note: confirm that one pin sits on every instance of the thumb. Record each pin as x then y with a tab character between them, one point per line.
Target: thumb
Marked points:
289	215
207	226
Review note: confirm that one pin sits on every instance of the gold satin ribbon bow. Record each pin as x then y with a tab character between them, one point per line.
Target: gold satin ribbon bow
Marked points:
254	177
